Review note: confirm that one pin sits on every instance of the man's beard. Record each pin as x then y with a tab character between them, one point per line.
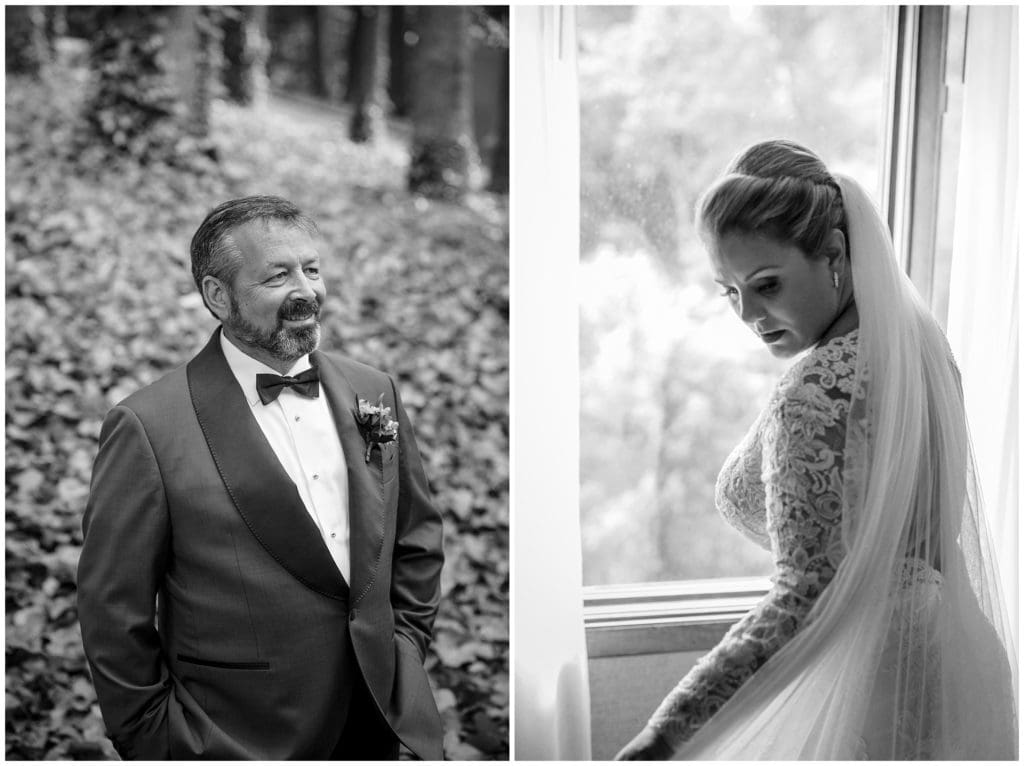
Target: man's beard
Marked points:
284	343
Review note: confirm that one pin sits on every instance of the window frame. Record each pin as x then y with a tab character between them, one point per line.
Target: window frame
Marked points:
654	618
917	104
692	615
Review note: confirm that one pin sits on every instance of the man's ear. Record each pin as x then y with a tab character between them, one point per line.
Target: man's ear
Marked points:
215	294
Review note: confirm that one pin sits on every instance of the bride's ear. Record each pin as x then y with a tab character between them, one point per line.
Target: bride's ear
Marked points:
835	250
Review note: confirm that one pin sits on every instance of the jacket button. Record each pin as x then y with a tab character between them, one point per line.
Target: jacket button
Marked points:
352	615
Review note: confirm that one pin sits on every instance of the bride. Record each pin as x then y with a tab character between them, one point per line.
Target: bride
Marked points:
883	635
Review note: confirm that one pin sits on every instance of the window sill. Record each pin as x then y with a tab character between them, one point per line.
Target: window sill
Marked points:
655	618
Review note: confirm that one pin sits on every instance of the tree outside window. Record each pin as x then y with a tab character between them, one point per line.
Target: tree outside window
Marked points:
670	379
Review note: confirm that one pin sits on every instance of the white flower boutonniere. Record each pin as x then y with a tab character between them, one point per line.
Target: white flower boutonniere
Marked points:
376	423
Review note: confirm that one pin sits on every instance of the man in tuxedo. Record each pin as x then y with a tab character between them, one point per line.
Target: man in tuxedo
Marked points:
261	564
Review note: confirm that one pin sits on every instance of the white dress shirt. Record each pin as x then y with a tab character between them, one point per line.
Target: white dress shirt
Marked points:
301	432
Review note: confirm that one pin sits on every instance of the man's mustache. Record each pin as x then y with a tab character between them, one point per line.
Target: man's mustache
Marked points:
299	309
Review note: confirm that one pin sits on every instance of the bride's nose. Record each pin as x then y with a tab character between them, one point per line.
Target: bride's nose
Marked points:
749	308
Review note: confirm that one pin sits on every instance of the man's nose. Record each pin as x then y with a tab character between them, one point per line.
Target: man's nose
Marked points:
302	287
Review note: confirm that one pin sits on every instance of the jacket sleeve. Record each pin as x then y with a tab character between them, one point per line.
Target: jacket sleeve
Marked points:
418	552
126	541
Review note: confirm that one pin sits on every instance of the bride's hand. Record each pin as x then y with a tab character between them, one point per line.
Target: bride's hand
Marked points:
648	745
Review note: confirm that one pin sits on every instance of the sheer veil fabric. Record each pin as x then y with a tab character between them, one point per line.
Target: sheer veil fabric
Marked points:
907	654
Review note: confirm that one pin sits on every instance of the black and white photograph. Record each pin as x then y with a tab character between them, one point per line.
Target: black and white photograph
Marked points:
785	241
512	383
257	305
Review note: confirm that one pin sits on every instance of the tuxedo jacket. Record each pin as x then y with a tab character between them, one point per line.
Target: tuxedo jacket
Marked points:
214	619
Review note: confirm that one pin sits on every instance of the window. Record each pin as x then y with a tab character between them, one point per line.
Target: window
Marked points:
670	379
926	166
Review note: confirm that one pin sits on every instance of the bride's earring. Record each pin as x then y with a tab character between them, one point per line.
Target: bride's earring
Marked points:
835	279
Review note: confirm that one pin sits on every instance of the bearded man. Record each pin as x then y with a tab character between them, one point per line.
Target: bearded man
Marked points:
261	565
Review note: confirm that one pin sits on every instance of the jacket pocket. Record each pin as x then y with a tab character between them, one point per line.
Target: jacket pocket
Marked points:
224	665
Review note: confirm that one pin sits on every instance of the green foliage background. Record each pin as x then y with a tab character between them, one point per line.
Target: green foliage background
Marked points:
100	302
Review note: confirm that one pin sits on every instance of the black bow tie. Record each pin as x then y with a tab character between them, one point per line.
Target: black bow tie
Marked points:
270	387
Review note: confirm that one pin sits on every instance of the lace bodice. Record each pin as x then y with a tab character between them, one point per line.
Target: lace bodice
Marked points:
782	487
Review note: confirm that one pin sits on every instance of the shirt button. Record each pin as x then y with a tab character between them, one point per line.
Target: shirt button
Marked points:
334	534
316	476
297	418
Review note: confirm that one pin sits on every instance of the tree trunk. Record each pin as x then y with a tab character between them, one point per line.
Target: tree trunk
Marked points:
442	144
55	24
189	61
245	48
336	23
317	53
275	25
154	67
499	156
131	101
24	38
665	509
401	39
367	67
82	21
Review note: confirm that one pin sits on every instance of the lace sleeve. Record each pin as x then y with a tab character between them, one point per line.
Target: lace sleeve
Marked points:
802	449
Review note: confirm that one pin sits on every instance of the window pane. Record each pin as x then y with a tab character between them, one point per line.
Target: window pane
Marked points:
949	159
670	379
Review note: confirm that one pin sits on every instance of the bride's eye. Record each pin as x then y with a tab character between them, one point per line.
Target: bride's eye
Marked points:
728	292
769	287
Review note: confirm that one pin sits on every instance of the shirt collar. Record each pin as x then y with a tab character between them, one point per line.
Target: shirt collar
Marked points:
245	368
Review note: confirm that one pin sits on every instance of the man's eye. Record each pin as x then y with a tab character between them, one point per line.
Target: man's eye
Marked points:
313	272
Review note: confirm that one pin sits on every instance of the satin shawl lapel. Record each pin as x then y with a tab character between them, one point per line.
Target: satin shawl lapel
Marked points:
260	488
365	482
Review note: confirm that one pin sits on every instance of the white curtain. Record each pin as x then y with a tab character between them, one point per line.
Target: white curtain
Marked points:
983	313
552	703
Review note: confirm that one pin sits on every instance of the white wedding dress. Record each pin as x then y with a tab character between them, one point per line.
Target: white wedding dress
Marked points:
782	487
883	635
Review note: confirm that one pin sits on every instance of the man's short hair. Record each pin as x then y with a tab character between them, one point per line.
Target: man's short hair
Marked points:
214	252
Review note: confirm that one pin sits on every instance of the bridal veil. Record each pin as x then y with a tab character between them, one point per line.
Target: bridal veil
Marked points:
908	653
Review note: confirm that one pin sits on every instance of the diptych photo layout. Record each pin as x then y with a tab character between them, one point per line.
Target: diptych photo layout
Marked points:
515	383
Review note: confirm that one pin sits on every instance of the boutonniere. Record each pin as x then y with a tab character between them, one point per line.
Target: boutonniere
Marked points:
376	423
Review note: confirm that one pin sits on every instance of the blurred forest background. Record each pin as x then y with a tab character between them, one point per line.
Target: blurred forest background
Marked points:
125	125
670	380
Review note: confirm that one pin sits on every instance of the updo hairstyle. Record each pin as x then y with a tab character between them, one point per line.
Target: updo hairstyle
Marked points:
777	189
